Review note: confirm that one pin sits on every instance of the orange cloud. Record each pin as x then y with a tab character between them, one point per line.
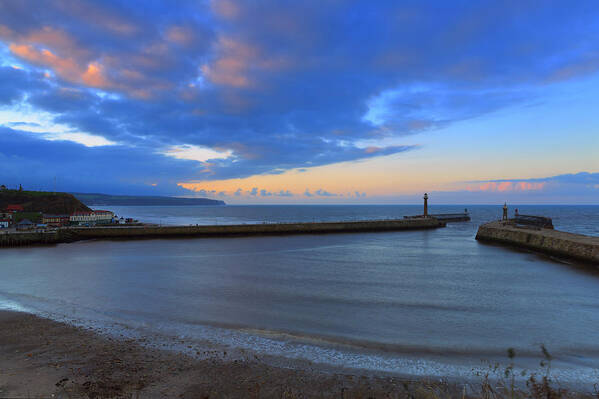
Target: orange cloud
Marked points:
94	76
55	49
56	39
65	67
91	75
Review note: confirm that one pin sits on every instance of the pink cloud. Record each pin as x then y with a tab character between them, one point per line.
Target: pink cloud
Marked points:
505	186
94	76
180	35
372	150
67	68
98	15
225	8
47	46
237	62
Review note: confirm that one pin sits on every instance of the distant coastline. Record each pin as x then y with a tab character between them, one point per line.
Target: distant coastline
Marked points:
141	200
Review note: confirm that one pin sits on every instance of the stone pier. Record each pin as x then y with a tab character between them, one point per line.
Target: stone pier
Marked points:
141	232
549	241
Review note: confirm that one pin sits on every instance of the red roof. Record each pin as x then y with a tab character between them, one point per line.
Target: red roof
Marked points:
14	207
101	211
85	213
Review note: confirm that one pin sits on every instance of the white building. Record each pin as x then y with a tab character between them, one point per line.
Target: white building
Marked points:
103	217
4	223
91	218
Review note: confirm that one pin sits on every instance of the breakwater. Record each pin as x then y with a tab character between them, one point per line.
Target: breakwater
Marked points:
549	241
446	217
30	238
141	232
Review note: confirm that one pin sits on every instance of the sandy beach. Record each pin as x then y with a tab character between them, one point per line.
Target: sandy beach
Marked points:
44	358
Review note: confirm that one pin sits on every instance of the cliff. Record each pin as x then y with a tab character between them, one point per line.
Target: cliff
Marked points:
41	201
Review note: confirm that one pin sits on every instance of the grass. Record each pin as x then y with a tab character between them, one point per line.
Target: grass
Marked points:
35	217
538	385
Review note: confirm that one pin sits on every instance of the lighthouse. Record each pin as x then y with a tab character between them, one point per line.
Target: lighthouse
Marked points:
425	205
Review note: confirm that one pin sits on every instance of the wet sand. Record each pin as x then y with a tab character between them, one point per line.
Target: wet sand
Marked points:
41	358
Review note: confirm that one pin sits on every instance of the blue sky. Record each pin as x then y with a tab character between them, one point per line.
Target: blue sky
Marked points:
303	102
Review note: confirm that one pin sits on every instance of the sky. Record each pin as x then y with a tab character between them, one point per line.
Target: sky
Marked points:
328	101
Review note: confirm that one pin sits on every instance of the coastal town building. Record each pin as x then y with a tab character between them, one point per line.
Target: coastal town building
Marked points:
104	217
92	217
25	224
6	215
14	208
82	218
56	220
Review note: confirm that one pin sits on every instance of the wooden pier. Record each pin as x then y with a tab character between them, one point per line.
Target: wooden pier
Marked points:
545	240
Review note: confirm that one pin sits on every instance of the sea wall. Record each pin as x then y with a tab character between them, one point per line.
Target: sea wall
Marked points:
29	238
255	229
560	243
140	232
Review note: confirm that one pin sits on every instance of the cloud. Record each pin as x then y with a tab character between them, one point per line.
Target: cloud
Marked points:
567	188
507	186
282	85
323	193
571	181
284	193
111	169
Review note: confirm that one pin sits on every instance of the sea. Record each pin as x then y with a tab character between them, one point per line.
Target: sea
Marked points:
430	303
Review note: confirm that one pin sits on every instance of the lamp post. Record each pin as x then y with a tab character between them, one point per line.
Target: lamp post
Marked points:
425	205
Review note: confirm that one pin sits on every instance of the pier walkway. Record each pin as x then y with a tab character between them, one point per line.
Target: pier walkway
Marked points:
546	240
141	232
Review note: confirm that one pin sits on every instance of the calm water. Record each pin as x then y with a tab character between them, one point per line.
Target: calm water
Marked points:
423	302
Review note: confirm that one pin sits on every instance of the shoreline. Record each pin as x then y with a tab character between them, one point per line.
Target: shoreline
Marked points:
42	357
